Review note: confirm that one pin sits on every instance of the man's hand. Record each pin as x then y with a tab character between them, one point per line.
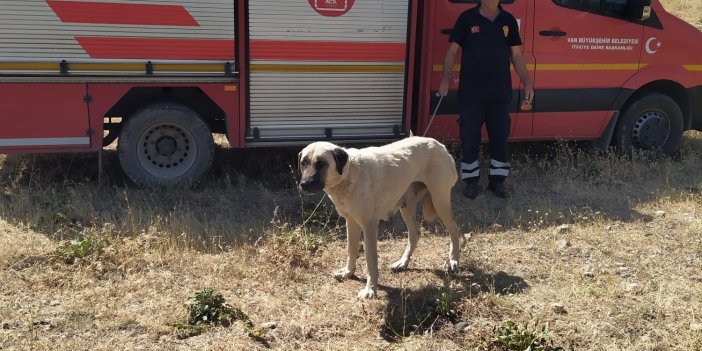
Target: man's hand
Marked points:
447	73
529	91
444	87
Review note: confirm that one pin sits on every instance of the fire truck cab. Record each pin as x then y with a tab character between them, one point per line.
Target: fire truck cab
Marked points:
161	77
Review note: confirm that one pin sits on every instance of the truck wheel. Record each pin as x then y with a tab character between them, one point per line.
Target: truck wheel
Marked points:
165	145
653	122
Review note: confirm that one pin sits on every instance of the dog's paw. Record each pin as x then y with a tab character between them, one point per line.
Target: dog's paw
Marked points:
400	265
451	266
343	274
367	293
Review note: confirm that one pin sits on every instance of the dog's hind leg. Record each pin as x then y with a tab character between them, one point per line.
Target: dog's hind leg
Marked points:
409	215
353	237
442	205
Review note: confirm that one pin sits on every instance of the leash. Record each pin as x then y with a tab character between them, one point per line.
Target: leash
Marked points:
441	97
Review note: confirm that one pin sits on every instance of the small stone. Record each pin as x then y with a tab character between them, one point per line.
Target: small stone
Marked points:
531	247
54	303
696	327
269	325
496	227
563	228
46	325
559	308
589	271
462	326
632	287
563	243
659	214
623	272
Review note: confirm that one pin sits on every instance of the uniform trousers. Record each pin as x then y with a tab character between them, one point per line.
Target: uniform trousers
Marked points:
495	116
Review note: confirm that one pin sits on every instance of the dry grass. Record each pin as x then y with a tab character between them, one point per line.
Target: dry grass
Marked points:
251	237
689	10
628	279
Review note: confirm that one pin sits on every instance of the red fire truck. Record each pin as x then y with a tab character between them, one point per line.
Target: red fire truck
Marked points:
162	76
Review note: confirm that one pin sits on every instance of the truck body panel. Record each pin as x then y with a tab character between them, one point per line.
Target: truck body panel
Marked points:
268	73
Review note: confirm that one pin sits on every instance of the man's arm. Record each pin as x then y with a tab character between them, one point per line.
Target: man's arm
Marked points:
520	67
449	60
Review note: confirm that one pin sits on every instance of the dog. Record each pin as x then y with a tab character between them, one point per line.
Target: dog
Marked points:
371	184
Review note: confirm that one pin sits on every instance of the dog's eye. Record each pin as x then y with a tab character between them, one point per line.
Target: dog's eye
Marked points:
319	164
305	162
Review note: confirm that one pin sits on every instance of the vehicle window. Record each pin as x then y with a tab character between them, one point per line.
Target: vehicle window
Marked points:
616	8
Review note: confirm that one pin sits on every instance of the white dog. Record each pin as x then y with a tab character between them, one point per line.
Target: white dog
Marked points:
371	184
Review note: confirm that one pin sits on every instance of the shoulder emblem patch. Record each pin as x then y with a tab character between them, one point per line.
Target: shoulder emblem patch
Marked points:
505	29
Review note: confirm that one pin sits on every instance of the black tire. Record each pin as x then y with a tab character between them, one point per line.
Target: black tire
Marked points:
165	144
654	122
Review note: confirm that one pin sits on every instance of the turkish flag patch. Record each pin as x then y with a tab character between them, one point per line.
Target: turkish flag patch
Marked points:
474	29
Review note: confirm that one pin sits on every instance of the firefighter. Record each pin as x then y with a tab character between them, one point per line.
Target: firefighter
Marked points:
489	38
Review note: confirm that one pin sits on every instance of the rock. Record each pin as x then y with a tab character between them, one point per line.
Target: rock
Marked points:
589	271
632	287
531	247
563	243
462	326
623	272
559	308
696	327
563	228
46	325
54	303
659	214
269	325
497	227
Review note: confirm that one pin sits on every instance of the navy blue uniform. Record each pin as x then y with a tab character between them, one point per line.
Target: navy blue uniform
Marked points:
485	88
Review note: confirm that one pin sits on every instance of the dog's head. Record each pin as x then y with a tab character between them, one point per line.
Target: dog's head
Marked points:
321	163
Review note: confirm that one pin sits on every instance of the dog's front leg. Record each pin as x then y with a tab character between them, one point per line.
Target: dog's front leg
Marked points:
409	213
370	242
353	237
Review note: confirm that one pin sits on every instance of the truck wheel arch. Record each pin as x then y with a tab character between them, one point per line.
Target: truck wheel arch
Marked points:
139	97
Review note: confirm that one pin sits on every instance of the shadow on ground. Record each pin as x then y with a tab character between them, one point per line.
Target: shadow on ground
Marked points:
412	312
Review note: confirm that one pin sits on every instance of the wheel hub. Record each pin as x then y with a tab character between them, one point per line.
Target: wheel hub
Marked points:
166	146
167	150
651	130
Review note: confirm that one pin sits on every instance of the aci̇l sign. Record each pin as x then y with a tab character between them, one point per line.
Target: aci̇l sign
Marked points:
332	8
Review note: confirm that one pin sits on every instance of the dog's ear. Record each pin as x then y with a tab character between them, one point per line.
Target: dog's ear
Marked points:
340	157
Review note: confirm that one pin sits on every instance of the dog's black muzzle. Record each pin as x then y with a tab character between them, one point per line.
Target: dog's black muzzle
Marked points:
311	186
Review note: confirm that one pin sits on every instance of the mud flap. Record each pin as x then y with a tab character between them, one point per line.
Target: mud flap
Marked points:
602	143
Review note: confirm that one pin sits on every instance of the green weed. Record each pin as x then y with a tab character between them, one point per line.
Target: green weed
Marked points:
81	247
512	336
209	308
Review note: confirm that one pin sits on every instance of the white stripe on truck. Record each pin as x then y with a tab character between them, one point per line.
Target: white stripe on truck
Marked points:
45	141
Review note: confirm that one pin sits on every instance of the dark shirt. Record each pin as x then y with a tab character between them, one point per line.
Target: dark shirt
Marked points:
486	55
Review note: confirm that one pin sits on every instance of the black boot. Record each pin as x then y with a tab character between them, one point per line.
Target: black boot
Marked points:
498	189
471	190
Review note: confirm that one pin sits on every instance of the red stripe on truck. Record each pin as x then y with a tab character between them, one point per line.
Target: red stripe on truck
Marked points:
157	48
327	51
117	13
